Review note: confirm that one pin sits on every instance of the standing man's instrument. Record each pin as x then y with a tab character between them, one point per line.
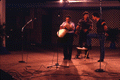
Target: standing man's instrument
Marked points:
61	33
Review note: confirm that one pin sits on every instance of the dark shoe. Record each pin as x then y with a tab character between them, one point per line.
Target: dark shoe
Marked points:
101	60
87	57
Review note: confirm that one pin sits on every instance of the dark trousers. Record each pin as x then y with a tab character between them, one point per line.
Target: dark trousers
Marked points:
67	45
82	38
82	41
101	38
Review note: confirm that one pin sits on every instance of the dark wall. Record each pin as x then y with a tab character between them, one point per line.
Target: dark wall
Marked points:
110	15
44	28
15	20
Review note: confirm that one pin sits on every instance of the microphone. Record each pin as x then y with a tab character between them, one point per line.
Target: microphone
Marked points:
31	20
28	23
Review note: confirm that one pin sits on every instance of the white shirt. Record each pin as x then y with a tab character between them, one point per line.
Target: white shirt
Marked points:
71	23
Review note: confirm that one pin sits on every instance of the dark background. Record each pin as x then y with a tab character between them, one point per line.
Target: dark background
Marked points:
42	31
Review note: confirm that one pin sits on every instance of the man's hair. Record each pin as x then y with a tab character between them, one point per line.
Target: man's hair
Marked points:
86	12
68	16
96	14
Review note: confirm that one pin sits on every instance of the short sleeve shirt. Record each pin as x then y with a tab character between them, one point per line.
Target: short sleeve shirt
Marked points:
71	23
85	25
100	27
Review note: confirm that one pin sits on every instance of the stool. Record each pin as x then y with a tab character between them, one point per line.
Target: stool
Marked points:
83	49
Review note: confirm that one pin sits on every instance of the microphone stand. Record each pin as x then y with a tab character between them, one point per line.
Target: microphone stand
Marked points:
100	70
22	38
57	64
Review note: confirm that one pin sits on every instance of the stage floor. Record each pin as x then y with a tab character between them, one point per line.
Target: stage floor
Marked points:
40	64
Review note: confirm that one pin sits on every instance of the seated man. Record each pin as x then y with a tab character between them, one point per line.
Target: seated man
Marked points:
84	26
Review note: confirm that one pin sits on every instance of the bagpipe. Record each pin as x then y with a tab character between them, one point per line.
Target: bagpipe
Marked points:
62	32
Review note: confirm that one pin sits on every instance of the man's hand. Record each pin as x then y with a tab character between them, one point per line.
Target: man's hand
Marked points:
85	30
105	28
106	34
62	27
77	28
76	32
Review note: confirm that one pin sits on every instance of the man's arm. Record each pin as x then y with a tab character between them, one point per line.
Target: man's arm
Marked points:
62	27
105	26
68	26
72	27
78	28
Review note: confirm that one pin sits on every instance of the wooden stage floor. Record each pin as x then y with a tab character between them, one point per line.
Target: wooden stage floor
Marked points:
40	64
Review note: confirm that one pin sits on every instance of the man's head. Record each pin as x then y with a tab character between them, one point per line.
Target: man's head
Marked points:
86	14
68	18
95	16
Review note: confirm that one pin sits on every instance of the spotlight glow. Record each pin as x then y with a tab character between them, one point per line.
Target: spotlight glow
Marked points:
79	1
74	1
61	1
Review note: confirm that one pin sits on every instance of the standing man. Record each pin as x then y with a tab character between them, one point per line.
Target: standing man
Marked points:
84	26
68	38
101	29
